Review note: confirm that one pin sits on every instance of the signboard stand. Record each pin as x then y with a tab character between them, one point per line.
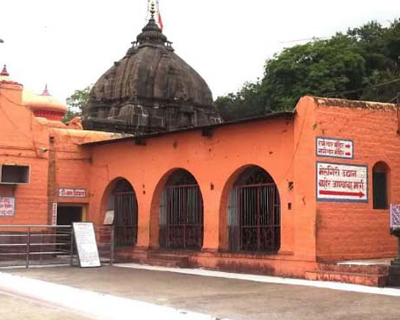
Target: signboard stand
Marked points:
86	245
394	269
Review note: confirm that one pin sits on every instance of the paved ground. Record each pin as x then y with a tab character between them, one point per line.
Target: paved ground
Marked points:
225	298
17	308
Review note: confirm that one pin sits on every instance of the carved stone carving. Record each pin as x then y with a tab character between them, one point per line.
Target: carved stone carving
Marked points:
151	89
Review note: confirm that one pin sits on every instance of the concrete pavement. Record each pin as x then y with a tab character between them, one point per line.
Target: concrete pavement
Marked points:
220	297
17	308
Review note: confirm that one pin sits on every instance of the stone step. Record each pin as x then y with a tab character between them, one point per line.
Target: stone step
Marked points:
166	256
366	279
354	268
169	263
128	256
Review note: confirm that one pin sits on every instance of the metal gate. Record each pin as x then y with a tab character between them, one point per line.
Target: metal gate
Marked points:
259	217
126	218
184	218
48	245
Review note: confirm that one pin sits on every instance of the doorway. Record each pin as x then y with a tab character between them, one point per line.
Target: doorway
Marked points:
181	213
66	215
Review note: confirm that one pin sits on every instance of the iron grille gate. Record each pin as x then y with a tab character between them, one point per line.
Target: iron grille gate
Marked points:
259	217
126	217
45	245
184	223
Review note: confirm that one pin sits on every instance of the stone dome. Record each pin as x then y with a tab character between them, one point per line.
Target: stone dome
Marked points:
151	89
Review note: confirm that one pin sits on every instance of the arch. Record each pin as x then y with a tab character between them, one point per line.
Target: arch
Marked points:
120	199
180	211
380	185
250	215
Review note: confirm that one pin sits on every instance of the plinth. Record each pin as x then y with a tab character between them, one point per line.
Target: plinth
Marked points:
394	269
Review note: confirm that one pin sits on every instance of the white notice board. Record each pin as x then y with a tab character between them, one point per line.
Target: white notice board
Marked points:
335	148
342	182
86	245
7	206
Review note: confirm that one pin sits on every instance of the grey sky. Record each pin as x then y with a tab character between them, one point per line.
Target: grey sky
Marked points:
70	44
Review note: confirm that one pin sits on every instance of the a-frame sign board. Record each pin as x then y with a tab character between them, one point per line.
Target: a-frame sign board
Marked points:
86	245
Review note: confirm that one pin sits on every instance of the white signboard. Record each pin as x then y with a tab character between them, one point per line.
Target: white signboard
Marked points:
109	217
54	214
394	216
7	206
342	182
71	193
86	244
335	148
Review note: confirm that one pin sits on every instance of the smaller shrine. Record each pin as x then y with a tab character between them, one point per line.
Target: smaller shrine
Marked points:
44	105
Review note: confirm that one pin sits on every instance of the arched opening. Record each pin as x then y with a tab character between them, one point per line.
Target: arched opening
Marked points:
380	185
181	213
254	213
123	204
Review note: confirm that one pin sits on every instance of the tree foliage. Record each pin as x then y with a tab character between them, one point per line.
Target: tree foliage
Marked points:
76	102
360	64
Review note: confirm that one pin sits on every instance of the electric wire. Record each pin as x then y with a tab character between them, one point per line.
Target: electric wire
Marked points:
331	94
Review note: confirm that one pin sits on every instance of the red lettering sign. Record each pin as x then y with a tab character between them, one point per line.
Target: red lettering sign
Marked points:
7	206
342	183
71	193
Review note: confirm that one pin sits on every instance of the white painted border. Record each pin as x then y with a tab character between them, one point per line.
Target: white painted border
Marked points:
267	279
98	305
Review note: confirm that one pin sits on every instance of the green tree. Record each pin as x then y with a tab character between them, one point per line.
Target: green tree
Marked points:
360	64
76	102
244	104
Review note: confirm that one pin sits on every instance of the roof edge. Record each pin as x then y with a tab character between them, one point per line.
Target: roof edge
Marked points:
287	114
345	103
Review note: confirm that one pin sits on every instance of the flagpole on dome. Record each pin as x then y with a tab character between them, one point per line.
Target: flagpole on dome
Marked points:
160	22
148	13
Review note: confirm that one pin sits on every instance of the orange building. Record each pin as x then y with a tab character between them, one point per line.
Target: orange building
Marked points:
279	194
276	194
39	156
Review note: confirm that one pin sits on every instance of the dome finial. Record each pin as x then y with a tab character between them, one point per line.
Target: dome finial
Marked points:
46	91
152	9
4	72
151	33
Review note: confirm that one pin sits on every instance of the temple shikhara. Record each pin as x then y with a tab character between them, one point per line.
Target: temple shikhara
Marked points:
289	193
173	96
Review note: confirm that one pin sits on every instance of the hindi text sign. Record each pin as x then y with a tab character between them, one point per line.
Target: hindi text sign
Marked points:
342	182
7	206
109	218
86	245
54	210
335	148
394	217
71	193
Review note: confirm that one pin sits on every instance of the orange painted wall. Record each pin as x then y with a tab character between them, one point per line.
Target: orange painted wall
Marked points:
215	162
72	162
43	146
284	147
21	142
356	230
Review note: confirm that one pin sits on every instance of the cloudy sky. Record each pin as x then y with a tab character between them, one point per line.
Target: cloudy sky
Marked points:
69	44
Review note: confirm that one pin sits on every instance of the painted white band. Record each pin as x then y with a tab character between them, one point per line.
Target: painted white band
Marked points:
267	279
100	306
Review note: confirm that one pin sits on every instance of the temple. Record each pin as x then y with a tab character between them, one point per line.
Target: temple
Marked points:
290	193
151	89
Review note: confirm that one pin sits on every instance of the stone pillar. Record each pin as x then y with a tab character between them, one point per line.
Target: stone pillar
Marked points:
394	269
